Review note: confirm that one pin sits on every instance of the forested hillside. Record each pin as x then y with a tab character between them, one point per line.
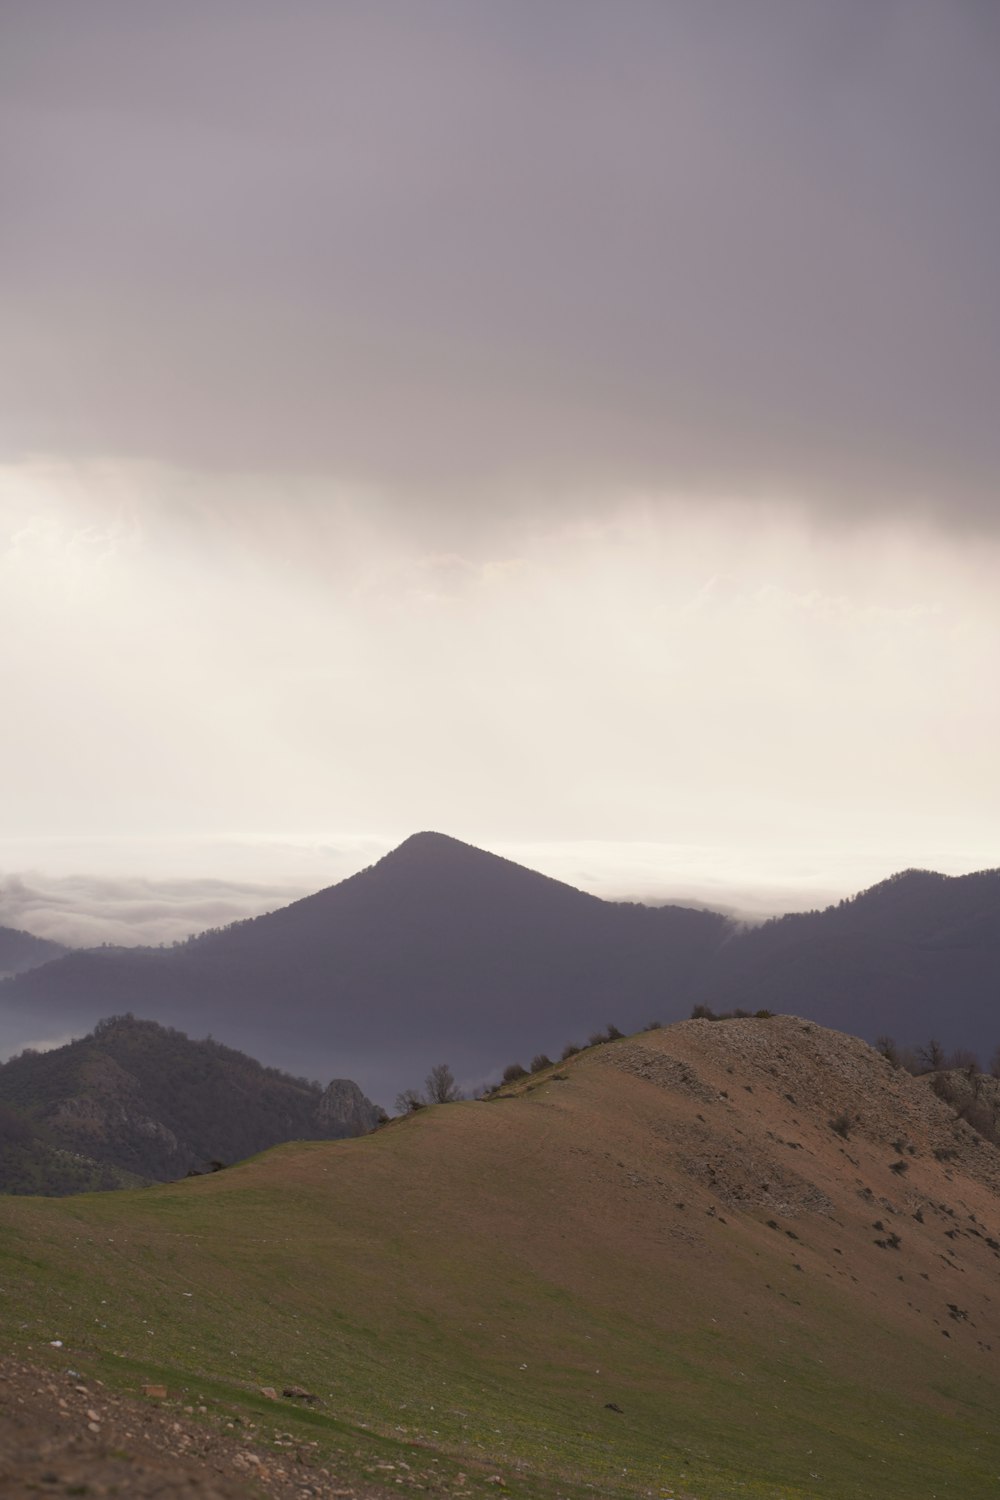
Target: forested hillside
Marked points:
136	1101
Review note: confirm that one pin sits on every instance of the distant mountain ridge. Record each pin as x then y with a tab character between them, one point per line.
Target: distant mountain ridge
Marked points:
916	955
137	1102
20	951
441	951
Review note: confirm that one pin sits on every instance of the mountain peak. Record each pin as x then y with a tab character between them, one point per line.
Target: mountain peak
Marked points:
438	854
430	842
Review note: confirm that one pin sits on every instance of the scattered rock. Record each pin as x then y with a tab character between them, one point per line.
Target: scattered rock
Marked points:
53	1439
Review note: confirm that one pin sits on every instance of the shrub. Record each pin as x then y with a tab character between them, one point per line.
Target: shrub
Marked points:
570	1050
983	1119
653	1026
969	1104
613	1033
513	1071
702	1013
888	1049
596	1039
841	1125
540	1062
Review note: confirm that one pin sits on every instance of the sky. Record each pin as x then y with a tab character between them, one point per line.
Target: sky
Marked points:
566	426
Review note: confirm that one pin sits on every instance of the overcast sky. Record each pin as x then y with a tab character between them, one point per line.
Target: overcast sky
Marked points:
574	427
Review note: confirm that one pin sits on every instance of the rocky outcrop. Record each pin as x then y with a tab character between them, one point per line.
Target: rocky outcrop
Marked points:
344	1109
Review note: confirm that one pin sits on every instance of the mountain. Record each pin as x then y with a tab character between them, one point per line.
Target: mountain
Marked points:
442	952
138	1102
20	951
741	1258
438	952
915	956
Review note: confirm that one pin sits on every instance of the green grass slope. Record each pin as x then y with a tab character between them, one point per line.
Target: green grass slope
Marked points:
654	1270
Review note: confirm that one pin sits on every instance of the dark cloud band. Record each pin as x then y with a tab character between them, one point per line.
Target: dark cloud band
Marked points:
469	252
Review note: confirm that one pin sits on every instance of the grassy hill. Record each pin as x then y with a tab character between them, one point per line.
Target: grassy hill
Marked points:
733	1258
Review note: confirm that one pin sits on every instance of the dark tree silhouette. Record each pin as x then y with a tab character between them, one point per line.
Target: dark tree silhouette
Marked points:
408	1101
441	1086
931	1055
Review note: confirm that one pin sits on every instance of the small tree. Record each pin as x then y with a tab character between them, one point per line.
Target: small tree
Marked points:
513	1071
931	1056
408	1101
441	1086
540	1062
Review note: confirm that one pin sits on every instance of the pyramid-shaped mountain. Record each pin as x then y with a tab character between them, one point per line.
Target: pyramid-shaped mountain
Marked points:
438	951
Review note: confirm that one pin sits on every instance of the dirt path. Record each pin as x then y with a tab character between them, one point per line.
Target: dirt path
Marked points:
62	1435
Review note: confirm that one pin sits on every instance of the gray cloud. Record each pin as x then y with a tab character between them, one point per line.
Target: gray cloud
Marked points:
472	250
